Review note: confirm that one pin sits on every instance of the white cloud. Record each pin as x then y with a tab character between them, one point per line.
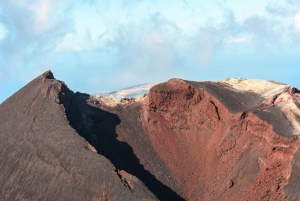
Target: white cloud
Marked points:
77	48
297	22
3	32
238	40
206	46
154	39
138	40
278	8
41	9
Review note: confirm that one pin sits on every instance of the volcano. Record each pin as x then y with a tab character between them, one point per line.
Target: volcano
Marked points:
235	139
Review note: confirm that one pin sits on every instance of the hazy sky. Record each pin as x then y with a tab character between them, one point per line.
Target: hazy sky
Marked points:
99	45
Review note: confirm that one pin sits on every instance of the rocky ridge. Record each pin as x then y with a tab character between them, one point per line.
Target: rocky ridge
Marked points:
235	139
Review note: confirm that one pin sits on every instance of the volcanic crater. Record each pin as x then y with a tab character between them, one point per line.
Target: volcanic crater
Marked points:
235	139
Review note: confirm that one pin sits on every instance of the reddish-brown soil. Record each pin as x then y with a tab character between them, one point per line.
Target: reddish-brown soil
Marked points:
212	153
185	141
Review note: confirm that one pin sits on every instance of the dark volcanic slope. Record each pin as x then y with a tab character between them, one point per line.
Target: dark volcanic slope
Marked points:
184	141
42	156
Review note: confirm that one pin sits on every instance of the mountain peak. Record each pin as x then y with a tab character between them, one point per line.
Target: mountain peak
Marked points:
48	74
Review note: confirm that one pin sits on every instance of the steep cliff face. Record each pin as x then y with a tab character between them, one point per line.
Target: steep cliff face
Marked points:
224	144
230	140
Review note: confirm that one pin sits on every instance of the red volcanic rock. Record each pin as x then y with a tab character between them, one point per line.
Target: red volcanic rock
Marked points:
91	148
212	142
125	177
207	147
231	140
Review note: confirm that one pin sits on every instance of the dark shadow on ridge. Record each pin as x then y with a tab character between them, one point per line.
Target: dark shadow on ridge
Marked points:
98	127
236	101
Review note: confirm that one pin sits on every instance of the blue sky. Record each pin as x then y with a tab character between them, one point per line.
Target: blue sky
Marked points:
104	45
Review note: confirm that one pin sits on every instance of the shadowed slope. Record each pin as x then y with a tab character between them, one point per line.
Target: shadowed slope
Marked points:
98	126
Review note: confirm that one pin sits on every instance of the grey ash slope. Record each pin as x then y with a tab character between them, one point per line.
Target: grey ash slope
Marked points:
42	156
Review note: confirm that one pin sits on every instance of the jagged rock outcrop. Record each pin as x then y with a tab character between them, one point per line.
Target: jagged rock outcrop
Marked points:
231	140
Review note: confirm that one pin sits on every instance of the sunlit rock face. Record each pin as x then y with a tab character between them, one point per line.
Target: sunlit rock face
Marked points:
276	94
262	87
235	139
129	92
